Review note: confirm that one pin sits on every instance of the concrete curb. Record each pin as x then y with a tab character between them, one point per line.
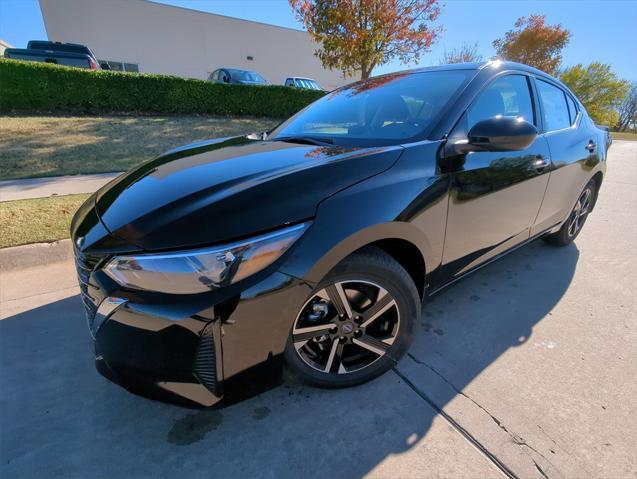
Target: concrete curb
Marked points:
38	254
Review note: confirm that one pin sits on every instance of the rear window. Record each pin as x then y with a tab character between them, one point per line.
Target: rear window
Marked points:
59	47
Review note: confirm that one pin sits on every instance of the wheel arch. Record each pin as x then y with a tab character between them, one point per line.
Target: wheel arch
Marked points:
408	256
598	177
402	241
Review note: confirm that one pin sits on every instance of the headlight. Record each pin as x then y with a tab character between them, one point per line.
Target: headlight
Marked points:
201	270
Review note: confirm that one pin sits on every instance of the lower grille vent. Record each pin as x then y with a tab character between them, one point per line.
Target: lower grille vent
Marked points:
205	367
85	265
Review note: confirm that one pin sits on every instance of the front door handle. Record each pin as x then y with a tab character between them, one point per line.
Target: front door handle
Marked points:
590	146
541	163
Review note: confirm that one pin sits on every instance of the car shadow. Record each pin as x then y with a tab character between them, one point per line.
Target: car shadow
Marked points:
59	417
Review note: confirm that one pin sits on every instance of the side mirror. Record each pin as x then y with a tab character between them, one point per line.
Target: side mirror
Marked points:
501	133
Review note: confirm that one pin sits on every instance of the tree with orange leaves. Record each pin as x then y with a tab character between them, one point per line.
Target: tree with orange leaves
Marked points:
358	35
535	43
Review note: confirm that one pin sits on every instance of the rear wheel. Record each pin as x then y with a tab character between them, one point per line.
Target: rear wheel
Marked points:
356	324
575	222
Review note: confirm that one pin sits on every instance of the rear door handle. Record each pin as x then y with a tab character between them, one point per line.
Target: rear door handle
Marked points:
590	146
541	162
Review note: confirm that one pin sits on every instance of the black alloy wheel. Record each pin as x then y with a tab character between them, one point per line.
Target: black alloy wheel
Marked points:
356	324
576	219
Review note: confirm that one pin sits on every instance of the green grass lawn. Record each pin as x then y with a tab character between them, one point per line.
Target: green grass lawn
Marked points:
33	146
624	135
37	220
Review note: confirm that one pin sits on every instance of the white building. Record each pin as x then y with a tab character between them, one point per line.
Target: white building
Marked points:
139	35
3	46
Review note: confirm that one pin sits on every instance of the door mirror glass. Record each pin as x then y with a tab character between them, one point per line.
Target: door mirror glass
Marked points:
501	133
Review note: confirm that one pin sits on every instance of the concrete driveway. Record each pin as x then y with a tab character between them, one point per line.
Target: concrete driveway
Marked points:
526	369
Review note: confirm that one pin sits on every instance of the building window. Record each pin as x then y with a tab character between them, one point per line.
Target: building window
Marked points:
121	66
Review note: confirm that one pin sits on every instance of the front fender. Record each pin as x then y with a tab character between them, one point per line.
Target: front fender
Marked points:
408	202
391	230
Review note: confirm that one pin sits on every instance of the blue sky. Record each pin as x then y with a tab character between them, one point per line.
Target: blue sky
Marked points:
602	30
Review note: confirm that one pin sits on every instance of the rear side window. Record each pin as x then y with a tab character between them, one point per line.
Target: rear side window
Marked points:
555	109
572	109
506	96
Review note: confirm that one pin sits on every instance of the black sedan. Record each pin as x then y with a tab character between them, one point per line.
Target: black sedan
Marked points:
236	77
313	245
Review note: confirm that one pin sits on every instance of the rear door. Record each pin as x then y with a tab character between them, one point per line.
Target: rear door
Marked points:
575	148
494	196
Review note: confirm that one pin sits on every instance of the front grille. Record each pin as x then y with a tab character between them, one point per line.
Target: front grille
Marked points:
205	367
85	265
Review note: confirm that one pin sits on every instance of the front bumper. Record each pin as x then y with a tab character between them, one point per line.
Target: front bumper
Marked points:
191	349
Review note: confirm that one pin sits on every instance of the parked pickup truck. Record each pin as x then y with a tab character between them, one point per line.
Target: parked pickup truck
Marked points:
69	54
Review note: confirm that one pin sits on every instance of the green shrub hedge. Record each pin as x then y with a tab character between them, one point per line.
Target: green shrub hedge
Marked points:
40	87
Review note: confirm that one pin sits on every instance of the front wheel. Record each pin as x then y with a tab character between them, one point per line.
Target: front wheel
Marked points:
576	219
356	324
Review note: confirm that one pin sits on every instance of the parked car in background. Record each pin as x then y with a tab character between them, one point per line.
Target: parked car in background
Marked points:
315	244
69	54
237	77
304	83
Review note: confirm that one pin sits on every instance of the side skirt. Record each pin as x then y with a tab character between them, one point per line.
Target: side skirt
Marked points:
491	260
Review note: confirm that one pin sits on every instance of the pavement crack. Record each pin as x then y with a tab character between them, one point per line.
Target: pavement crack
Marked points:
458	391
516	438
537	466
453	423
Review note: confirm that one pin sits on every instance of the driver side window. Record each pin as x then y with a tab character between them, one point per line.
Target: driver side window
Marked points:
506	96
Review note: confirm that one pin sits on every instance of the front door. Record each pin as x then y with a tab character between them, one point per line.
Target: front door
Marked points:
494	196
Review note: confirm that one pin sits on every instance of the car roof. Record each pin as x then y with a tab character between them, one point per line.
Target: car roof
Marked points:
58	43
496	65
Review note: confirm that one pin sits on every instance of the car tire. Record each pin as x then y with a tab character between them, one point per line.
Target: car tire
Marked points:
384	306
577	217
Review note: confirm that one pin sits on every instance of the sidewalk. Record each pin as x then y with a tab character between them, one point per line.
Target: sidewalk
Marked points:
56	185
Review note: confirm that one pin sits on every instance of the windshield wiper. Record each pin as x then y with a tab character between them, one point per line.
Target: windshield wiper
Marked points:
306	140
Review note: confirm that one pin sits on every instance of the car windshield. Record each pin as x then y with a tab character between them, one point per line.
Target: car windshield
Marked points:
244	75
385	109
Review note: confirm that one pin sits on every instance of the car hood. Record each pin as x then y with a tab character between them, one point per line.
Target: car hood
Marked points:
225	189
